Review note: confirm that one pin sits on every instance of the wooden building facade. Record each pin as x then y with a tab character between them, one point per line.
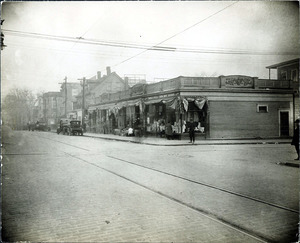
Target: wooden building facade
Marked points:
222	107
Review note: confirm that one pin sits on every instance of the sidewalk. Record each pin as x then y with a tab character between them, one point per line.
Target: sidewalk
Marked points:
158	141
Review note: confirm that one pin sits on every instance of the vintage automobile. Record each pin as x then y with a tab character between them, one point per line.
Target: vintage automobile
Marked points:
76	128
63	126
70	127
39	126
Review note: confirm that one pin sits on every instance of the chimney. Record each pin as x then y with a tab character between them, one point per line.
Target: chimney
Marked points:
108	71
98	75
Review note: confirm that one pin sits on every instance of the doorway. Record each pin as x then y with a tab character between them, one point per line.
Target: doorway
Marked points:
284	123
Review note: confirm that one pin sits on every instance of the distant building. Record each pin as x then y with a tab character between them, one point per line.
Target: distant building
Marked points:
38	113
289	70
52	108
69	91
94	88
133	79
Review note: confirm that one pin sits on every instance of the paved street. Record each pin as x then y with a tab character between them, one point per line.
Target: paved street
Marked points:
81	189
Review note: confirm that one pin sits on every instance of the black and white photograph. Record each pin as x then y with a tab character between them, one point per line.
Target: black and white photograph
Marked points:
150	121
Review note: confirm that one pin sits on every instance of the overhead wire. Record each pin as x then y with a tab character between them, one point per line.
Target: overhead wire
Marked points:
165	58
161	42
145	47
157	47
151	48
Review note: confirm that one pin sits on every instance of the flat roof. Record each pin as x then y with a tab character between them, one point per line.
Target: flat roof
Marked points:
274	66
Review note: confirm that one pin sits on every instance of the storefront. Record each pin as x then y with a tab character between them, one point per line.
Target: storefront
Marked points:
223	107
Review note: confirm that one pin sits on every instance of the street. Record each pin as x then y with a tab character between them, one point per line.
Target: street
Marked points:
58	188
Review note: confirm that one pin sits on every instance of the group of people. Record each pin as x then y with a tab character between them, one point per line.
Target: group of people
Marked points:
191	126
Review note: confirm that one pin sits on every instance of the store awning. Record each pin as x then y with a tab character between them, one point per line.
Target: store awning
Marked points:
198	101
159	100
133	102
92	108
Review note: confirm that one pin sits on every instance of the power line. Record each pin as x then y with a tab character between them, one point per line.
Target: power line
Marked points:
201	21
81	40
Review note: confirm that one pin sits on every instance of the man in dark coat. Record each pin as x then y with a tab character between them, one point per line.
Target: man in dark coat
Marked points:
169	131
192	127
295	140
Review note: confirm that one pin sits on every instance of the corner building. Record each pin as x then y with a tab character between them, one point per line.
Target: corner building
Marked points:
222	107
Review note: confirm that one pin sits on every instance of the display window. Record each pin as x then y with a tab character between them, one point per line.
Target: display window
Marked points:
196	116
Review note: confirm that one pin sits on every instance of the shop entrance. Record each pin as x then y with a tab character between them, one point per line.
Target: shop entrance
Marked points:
284	123
197	116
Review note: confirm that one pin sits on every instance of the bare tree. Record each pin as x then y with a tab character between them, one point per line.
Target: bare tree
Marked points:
17	108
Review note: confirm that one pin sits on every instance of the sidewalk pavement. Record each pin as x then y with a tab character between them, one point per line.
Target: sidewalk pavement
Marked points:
158	141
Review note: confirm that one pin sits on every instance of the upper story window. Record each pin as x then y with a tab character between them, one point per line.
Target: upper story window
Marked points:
294	75
283	75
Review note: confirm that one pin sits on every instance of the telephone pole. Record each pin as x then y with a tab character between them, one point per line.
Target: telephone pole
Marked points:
83	99
66	96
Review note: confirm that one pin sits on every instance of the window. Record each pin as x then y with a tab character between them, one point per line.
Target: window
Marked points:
262	108
283	75
294	75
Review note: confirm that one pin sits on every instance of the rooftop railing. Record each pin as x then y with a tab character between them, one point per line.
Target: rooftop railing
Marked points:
182	83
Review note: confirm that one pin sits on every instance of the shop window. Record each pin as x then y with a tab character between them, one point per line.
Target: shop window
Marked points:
262	108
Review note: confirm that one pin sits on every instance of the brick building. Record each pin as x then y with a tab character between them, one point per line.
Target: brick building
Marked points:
53	108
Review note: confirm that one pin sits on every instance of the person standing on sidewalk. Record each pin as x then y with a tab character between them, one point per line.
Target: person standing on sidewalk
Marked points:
295	140
192	131
169	131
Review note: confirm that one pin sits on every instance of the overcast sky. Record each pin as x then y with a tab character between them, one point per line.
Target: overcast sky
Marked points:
47	41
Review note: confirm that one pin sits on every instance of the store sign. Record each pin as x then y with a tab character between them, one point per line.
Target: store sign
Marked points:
238	81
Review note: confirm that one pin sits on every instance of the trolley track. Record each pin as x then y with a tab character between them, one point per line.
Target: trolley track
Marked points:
210	186
203	212
190	180
215	217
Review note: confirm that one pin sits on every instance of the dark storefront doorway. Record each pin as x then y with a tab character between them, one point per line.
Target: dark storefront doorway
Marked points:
284	123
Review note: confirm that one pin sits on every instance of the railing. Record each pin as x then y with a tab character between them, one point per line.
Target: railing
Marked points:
153	88
170	84
274	84
186	83
205	82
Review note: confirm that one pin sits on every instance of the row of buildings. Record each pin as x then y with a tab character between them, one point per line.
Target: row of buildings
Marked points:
234	106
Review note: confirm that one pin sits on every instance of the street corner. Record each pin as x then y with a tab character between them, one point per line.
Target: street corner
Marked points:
291	163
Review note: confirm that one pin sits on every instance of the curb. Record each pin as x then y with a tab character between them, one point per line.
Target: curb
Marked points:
183	144
289	164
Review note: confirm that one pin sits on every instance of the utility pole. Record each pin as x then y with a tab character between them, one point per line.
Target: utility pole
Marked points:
83	99
66	97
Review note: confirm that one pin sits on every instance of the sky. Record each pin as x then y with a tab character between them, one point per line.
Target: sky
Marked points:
48	41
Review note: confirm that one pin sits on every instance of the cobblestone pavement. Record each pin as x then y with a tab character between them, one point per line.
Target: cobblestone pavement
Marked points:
63	192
